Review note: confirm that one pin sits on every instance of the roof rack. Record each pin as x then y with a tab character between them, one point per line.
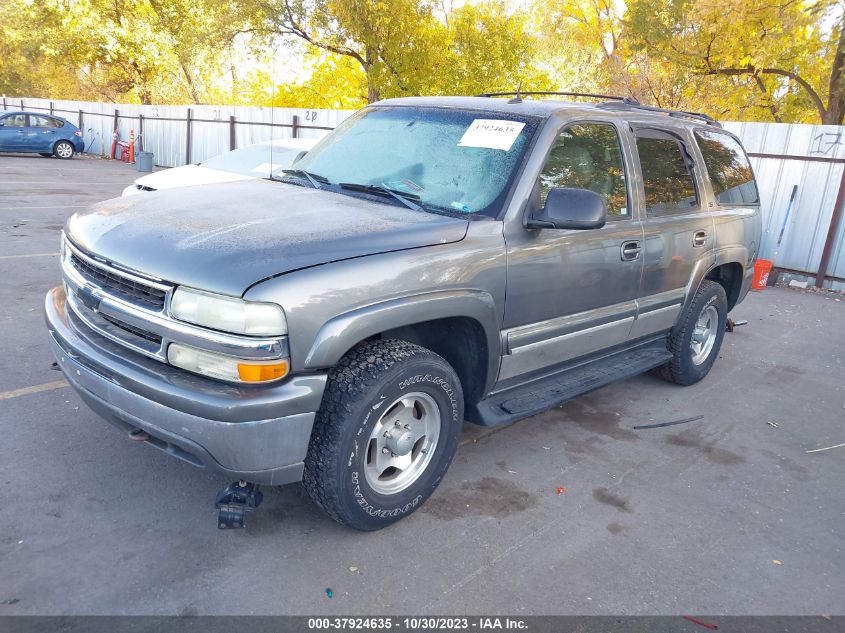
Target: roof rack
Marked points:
682	114
589	95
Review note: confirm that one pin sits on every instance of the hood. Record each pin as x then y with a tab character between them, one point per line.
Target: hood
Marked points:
188	175
226	237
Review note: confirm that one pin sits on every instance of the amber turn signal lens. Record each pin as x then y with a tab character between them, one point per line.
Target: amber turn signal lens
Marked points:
263	372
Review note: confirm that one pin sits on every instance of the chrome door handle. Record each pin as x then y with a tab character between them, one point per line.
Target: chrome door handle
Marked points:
630	250
699	238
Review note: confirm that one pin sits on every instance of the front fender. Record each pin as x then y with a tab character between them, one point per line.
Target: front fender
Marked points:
341	333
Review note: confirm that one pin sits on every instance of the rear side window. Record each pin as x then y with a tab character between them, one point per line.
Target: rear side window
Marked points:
728	167
36	120
668	183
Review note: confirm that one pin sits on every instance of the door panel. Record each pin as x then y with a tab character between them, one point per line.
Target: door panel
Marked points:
678	233
12	133
41	135
571	292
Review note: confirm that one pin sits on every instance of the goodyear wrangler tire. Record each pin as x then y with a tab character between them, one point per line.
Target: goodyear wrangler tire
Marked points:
385	434
696	339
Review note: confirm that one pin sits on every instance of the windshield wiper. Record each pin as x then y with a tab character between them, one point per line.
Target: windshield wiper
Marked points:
405	198
314	179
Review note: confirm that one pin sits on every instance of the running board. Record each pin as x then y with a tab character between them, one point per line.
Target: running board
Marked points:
546	393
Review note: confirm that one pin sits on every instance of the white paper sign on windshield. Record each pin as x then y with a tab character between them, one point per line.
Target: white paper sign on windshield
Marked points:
491	134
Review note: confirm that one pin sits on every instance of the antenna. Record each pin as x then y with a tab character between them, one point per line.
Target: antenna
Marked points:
272	107
518	97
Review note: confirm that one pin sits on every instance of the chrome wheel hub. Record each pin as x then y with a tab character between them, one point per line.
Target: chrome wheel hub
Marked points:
64	150
704	334
402	443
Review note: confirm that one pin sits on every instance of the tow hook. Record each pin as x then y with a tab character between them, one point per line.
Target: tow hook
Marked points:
234	501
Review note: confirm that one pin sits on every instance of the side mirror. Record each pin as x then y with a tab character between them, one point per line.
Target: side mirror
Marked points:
569	208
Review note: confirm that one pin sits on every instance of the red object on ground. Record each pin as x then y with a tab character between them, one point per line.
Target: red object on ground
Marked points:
712	627
560	490
761	274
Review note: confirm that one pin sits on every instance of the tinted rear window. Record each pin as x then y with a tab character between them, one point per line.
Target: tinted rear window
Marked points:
668	183
728	167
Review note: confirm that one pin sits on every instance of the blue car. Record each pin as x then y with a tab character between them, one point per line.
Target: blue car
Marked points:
43	134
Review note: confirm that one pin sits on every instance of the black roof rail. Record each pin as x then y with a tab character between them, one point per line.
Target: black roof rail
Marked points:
589	95
683	114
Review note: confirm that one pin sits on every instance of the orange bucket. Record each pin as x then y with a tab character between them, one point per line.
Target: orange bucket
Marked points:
761	274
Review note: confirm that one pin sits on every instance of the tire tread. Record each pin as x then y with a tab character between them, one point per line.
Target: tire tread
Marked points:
348	380
672	371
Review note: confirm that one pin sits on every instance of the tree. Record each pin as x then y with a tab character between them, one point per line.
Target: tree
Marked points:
333	82
409	47
787	56
490	49
140	50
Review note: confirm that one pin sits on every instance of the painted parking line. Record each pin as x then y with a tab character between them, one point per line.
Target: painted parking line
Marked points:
25	391
51	206
42	184
28	255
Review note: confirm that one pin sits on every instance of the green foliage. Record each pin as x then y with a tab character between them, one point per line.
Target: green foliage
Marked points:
739	59
756	57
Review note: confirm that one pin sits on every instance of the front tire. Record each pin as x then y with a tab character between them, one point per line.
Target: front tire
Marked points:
385	433
64	150
695	341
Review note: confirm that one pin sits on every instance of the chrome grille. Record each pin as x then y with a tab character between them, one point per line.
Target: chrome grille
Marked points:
128	308
119	285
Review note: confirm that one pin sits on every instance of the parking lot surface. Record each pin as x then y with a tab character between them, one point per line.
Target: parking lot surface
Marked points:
570	512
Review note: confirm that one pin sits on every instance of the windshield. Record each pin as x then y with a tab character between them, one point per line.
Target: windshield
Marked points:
456	160
255	160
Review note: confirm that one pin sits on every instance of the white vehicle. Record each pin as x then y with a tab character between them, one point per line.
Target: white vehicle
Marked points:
262	160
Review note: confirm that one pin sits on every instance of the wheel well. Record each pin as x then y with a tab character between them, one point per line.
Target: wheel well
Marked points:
460	341
729	276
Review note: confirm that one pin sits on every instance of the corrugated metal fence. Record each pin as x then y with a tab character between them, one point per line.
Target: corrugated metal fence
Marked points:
805	164
801	163
183	134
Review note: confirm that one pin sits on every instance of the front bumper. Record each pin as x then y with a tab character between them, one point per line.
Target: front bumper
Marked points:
256	433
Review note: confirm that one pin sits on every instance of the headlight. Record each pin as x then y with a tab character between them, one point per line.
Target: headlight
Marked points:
227	313
225	367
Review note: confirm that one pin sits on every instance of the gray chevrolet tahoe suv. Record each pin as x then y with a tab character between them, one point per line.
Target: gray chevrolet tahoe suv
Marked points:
433	260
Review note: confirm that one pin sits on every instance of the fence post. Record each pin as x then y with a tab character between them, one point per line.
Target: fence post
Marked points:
832	231
22	106
80	120
4	102
232	132
140	132
51	108
188	139
116	116
294	127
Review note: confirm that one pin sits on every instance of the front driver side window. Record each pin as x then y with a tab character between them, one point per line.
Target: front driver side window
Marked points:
588	156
